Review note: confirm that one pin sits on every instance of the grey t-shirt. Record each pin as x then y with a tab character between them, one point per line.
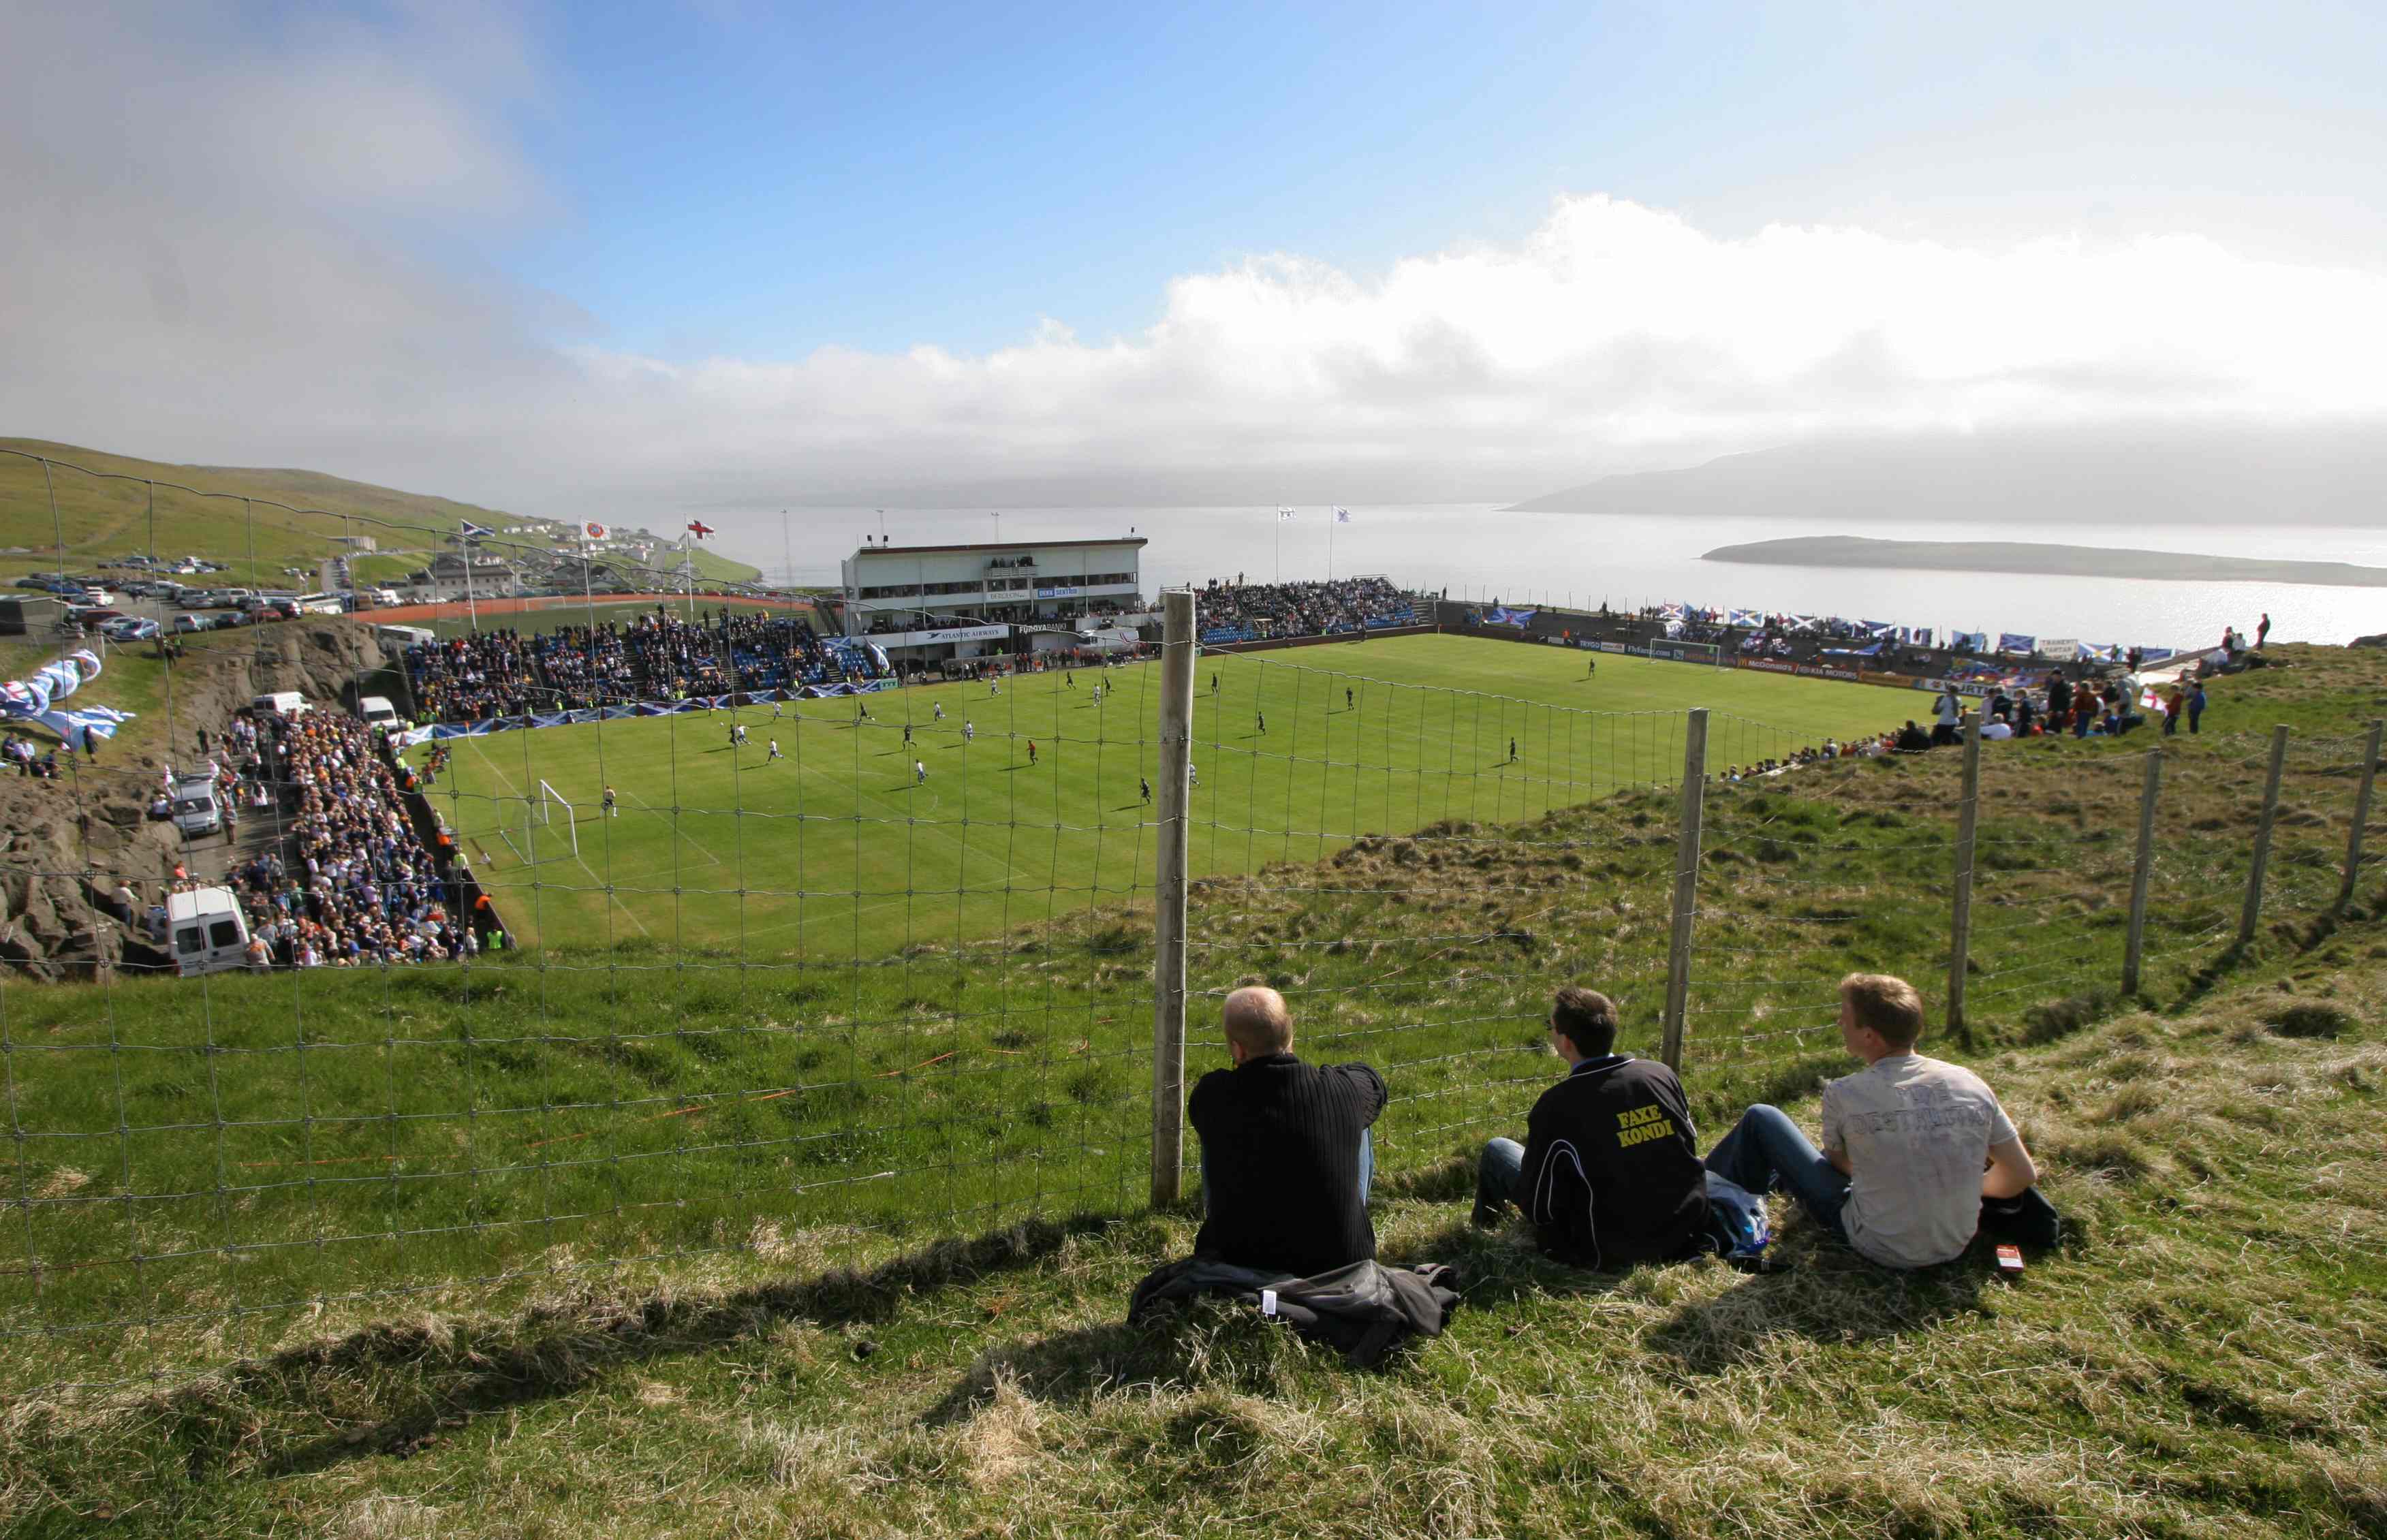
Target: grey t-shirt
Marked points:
1917	1133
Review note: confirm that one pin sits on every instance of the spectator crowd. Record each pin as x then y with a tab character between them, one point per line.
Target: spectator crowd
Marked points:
358	885
656	657
1266	609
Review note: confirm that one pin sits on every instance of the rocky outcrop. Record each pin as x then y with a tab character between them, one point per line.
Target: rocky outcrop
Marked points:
65	845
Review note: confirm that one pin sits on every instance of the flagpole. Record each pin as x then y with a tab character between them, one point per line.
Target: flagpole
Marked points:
787	556
1280	542
687	580
1333	517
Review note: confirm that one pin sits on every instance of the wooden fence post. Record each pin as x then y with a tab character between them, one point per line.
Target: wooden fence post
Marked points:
2253	910
1960	926
2133	950
1169	898
2361	817
1687	884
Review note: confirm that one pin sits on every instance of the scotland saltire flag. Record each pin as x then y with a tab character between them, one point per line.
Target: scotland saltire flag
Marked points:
2015	641
1342	515
466	529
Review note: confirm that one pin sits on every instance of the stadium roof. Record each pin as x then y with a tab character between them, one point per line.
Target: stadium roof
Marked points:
1005	545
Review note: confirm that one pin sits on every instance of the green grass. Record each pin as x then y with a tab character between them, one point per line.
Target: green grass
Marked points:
509	1247
2201	1359
835	852
101	505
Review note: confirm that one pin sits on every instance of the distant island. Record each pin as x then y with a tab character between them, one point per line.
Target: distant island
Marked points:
2017	556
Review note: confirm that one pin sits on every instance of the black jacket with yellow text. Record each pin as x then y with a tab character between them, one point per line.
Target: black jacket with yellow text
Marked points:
1612	1174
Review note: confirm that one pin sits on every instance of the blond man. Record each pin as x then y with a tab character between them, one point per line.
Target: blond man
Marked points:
1286	1155
1912	1145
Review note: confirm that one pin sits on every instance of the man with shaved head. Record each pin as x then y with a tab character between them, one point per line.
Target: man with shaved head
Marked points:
1286	1156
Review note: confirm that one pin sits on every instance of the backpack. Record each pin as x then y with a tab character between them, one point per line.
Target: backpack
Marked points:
2024	1219
1738	1227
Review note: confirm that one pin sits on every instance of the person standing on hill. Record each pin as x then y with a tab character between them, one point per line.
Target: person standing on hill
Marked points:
1947	715
1912	1145
1609	1171
2262	630
2196	705
1287	1156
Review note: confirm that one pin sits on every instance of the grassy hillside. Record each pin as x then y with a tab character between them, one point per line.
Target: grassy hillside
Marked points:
235	1162
2202	1357
837	851
108	513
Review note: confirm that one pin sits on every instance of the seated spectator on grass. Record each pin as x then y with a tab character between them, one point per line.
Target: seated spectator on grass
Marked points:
1912	739
1998	728
1900	1175
1286	1156
1609	1171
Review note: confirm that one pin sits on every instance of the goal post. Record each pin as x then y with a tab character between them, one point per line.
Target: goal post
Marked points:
549	799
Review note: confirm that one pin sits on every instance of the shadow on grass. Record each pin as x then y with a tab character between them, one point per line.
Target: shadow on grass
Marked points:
432	1375
1827	1294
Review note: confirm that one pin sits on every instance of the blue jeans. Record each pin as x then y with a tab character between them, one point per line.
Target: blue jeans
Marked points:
1367	1169
1497	1172
1766	1151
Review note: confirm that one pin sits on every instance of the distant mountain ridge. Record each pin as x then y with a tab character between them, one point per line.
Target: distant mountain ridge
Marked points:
2213	472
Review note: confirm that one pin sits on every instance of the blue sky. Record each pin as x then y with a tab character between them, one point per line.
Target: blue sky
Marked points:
741	180
555	257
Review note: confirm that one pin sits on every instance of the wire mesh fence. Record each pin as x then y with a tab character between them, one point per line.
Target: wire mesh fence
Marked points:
793	955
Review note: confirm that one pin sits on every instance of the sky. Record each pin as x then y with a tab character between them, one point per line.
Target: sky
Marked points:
630	260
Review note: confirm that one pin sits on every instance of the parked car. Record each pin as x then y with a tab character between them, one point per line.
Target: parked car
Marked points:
84	617
184	625
129	628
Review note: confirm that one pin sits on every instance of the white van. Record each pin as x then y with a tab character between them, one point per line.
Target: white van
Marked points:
377	711
205	928
197	810
282	702
380	599
398	638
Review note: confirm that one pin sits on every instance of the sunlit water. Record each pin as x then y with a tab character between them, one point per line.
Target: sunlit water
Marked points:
1525	558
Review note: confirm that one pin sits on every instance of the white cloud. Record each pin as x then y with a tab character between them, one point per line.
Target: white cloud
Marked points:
226	285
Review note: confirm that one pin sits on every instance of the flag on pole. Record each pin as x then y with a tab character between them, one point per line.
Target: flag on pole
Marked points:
593	531
1283	513
467	530
1342	515
699	528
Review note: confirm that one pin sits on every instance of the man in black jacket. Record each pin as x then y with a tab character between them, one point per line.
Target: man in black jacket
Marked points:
1609	1172
1286	1155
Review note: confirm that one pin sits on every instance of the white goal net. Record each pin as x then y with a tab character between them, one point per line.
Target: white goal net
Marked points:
550	799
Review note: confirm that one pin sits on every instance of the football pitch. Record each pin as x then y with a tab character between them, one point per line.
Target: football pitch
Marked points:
860	841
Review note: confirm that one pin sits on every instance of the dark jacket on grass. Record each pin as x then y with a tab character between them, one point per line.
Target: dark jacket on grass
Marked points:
1281	1163
1612	1174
